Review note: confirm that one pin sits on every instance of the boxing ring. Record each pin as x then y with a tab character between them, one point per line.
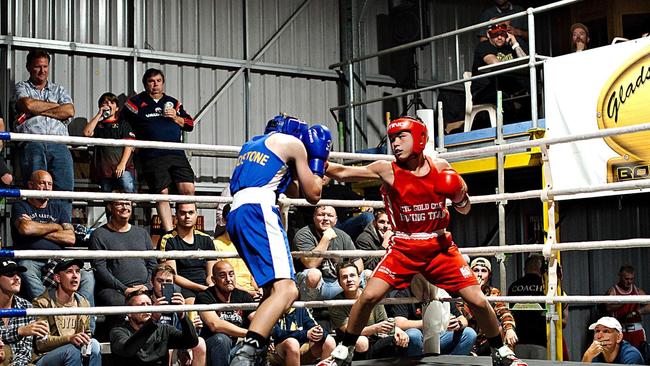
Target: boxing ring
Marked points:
550	249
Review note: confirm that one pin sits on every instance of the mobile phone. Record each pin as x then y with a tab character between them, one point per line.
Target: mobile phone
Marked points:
168	291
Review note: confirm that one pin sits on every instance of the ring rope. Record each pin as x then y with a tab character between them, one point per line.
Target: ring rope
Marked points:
232	151
145	197
111	310
210	254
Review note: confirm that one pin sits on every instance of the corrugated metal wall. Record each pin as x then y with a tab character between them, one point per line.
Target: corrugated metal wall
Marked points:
191	27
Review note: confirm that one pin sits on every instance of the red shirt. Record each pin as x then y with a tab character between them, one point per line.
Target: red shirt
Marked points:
412	204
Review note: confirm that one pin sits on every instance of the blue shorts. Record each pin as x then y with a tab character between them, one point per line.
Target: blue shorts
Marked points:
256	231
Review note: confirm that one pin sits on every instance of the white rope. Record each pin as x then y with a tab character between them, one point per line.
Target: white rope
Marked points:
488	150
225	151
111	310
211	254
232	151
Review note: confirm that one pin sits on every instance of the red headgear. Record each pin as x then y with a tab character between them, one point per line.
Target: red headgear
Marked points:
417	129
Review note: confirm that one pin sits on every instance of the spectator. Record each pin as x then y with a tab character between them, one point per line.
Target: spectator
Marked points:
140	341
608	345
156	116
482	269
531	324
500	9
5	173
118	277
193	275
500	46
244	280
376	236
222	328
44	108
112	165
375	337
17	332
629	315
69	334
457	340
165	274
319	281
299	339
39	223
579	37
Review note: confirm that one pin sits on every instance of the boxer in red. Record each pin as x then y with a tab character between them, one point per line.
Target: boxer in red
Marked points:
415	188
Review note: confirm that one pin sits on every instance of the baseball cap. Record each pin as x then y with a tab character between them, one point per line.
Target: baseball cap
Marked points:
483	262
9	266
67	263
609	322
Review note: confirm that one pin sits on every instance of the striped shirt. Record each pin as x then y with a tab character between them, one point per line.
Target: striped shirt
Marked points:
21	347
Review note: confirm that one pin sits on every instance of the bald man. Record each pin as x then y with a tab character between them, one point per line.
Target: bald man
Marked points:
222	328
39	223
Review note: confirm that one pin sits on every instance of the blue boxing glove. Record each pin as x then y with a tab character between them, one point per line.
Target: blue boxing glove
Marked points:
317	141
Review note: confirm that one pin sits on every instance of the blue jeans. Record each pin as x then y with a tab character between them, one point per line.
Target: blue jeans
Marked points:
218	350
355	224
457	343
33	283
124	183
70	355
54	158
416	342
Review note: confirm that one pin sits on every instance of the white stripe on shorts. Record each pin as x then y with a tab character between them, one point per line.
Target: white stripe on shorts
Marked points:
279	254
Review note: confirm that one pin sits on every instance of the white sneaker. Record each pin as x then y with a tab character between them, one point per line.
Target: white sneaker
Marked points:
505	357
341	356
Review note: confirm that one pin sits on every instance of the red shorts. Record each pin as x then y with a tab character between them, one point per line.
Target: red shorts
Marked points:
444	268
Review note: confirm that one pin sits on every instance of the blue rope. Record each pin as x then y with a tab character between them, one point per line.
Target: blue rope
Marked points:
12	313
9	192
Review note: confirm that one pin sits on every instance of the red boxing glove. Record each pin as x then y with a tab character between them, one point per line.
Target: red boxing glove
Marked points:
450	184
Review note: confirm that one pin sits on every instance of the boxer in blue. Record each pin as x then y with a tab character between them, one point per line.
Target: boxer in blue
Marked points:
267	166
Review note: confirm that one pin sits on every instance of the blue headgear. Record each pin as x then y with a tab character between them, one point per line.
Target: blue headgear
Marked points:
287	125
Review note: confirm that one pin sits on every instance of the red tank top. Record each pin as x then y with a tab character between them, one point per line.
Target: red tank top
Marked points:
621	313
412	204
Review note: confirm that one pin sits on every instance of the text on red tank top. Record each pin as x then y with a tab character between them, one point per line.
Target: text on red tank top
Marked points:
412	204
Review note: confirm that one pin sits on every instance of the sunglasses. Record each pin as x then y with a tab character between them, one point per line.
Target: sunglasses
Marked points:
496	30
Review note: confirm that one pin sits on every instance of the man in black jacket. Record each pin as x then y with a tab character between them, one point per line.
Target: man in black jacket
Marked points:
140	341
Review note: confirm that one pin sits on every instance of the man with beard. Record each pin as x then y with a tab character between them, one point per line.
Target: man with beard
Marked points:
70	335
629	315
17	332
140	341
375	236
579	37
222	328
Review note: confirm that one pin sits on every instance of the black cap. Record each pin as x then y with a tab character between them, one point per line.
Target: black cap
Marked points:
9	266
66	263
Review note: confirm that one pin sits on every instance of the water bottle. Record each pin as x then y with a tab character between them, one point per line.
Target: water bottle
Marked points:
169	105
392	330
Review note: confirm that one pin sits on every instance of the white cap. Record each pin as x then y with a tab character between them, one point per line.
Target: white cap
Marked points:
609	322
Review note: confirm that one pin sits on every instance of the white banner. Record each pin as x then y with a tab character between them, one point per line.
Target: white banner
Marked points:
604	87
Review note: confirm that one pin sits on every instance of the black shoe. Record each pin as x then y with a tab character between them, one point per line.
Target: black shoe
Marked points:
247	355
